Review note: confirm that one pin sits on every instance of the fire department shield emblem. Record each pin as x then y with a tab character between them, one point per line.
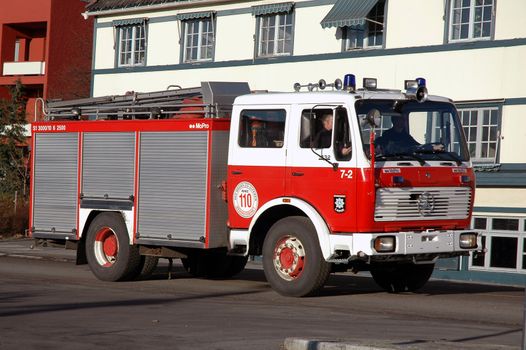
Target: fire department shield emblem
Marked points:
339	204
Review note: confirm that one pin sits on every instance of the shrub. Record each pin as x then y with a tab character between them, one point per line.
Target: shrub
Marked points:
11	223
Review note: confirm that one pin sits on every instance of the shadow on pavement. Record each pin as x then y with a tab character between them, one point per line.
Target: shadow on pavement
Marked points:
346	284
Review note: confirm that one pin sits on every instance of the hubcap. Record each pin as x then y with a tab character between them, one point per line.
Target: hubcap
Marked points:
289	258
106	247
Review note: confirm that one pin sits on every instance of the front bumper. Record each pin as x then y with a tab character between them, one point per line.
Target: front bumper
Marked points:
441	243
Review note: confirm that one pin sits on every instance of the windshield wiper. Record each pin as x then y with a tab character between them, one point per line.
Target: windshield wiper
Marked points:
450	155
395	156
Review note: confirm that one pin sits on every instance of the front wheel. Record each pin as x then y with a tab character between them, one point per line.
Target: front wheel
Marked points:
292	259
397	278
108	251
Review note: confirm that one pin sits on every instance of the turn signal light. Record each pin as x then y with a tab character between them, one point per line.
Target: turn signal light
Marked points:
385	244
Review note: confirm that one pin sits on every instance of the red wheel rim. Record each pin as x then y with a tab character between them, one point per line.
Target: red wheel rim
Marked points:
289	258
106	247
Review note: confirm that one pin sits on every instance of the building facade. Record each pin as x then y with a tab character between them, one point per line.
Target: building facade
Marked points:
46	44
469	50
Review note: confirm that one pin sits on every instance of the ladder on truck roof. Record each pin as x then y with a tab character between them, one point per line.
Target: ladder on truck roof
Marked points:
211	100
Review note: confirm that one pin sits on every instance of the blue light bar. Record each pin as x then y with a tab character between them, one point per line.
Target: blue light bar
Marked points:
421	82
349	82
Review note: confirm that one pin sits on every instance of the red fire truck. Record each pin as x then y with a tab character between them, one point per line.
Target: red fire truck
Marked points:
329	179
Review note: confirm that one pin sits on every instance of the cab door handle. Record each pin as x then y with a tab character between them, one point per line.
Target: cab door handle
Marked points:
236	172
297	173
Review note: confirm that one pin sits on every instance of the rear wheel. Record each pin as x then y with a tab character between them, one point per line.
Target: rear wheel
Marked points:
397	278
146	267
108	251
292	258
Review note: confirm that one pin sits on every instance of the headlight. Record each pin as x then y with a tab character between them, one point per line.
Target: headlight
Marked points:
385	244
468	240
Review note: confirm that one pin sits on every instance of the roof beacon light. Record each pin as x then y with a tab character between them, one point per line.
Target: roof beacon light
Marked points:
349	82
370	83
421	82
416	89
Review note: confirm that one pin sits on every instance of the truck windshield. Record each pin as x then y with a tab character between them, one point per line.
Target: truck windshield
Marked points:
410	130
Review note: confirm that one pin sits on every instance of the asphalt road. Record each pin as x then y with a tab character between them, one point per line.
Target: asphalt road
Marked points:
48	304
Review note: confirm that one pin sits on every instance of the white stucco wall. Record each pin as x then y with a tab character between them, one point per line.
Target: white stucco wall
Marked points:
415	23
510	19
104	53
461	75
310	37
163	39
233	43
500	197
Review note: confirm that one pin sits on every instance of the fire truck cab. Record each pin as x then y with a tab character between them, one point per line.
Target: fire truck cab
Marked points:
315	182
308	189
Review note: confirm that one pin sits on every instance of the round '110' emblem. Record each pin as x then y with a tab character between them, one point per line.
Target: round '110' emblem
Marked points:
425	203
245	199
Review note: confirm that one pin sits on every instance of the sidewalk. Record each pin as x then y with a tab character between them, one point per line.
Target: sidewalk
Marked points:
27	248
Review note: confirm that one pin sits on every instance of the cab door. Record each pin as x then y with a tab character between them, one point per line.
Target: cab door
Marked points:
256	160
323	173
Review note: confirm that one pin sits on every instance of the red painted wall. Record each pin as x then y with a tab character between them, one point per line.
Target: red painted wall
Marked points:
21	11
69	51
57	35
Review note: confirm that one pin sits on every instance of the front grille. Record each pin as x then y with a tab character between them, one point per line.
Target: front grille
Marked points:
422	203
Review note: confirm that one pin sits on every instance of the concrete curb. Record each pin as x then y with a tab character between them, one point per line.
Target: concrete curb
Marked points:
306	344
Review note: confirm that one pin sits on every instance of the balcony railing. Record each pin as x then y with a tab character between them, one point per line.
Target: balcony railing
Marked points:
24	68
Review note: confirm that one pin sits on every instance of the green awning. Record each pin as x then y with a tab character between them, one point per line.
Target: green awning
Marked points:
129	22
348	13
271	9
194	15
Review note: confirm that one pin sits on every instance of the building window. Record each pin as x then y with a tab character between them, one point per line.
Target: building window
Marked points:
17	51
132	45
505	224
470	19
503	252
262	128
275	33
505	242
370	34
482	129
199	38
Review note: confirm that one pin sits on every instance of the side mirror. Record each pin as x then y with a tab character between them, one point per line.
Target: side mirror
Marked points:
373	118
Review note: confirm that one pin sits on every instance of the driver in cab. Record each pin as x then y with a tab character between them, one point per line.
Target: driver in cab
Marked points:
398	140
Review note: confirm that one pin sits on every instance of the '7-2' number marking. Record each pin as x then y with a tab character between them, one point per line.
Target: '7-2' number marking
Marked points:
346	174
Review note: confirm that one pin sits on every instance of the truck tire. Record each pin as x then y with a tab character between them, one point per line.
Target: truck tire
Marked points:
213	264
146	267
292	259
398	278
237	265
109	253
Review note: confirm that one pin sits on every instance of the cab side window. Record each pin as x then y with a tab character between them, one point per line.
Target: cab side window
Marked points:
316	128
342	135
262	128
